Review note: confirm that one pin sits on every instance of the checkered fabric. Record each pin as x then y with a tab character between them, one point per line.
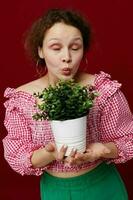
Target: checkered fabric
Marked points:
110	120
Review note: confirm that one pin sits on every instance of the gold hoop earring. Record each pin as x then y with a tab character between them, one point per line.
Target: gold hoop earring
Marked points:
37	63
86	61
40	69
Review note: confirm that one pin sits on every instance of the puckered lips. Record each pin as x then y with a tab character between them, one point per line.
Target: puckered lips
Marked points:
66	71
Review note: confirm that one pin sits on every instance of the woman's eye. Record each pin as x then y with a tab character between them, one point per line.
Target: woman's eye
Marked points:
75	49
56	47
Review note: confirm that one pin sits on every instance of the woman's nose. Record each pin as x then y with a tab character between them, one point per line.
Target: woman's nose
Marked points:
66	56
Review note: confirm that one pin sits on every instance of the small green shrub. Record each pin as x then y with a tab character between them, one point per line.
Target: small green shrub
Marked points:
66	100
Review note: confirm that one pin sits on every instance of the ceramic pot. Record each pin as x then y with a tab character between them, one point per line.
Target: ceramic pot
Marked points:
71	133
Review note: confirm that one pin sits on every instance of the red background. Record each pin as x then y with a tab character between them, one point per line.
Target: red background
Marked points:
111	52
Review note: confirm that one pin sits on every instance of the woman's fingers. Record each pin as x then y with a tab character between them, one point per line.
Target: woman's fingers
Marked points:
69	160
71	157
73	152
106	150
62	152
50	147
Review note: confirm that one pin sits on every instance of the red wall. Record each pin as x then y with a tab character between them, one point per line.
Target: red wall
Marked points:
111	52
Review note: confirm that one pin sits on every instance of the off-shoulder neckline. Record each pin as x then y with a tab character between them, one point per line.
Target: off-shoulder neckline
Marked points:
12	92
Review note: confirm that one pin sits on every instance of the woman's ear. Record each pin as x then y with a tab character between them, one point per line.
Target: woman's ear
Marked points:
40	52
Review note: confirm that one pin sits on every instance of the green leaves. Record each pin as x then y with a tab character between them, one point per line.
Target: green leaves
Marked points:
65	100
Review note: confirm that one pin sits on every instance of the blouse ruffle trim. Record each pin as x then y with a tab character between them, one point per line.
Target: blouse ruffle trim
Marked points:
105	87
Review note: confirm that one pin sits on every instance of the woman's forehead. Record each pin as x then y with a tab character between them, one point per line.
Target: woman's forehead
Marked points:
61	31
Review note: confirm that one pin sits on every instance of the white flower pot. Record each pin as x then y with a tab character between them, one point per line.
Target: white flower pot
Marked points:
71	133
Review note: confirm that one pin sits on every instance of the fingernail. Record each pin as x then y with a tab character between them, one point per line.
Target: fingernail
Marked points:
107	151
65	146
74	149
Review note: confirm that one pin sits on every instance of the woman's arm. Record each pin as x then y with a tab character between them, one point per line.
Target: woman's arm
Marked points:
21	153
93	152
113	150
117	127
116	131
46	155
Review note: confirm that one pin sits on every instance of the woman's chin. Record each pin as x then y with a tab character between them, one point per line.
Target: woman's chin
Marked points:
67	77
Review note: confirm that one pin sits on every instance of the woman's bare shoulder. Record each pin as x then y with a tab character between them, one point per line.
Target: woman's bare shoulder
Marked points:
86	78
34	86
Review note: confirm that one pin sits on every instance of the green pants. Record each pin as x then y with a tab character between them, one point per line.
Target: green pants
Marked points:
102	183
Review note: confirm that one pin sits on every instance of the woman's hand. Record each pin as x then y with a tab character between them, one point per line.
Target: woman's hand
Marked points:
51	147
44	156
93	152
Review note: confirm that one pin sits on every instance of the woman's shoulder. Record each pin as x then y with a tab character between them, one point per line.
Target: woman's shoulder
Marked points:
106	87
97	79
86	79
23	96
24	92
104	81
31	87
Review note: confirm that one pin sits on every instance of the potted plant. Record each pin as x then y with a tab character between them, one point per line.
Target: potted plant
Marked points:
66	105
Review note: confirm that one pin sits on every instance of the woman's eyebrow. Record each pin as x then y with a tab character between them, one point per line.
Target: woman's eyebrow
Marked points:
58	39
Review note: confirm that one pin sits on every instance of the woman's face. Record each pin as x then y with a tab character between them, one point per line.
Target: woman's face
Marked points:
62	50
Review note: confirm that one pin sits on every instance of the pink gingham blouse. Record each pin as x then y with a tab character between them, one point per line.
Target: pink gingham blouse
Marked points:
110	120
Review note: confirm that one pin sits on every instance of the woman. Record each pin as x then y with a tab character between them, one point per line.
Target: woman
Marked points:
58	42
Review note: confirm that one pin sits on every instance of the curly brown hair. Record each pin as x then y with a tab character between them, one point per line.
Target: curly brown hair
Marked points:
36	34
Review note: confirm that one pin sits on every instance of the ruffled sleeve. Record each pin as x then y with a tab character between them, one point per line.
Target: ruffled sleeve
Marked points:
105	87
116	118
18	145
